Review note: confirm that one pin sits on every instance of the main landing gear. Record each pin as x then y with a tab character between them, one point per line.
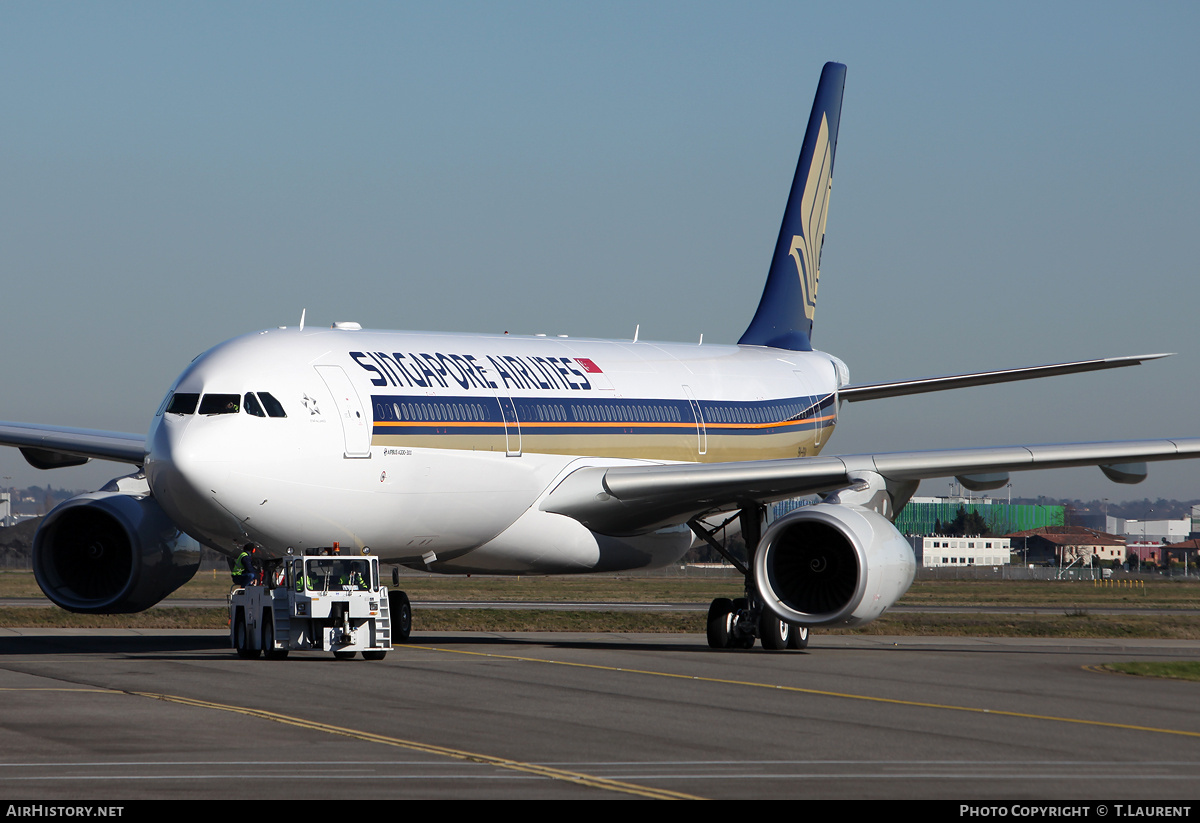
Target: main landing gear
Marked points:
401	610
734	624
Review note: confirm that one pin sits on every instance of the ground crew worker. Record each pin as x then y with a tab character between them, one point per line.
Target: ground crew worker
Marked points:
303	581
246	569
240	570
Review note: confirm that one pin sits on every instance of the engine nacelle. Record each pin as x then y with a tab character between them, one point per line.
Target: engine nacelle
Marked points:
832	565
111	552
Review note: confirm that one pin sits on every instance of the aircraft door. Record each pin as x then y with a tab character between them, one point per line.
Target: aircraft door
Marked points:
512	426
701	434
508	414
812	408
356	426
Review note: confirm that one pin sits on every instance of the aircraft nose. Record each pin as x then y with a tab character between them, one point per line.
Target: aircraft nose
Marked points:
185	470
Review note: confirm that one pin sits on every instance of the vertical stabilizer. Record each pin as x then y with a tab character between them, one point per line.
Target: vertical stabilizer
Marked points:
785	313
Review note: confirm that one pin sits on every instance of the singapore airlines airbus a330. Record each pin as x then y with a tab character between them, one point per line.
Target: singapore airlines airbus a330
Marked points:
501	454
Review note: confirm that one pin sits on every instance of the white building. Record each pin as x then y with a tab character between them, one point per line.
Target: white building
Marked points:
1151	531
938	551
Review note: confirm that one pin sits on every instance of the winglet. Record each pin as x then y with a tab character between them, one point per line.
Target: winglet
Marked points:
785	313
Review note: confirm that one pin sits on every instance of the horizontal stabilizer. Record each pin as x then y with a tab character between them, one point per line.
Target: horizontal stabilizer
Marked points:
875	391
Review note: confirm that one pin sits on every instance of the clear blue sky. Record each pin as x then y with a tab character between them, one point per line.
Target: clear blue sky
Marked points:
1016	183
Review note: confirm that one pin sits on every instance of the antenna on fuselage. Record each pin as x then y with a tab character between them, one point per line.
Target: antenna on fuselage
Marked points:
302	311
636	329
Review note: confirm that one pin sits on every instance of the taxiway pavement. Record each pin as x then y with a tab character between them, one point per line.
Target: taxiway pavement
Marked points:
123	715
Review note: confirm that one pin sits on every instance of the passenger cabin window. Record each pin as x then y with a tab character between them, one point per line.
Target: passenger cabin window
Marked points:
220	404
183	403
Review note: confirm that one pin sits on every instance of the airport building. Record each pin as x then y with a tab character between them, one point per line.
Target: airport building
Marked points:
1063	545
938	551
1186	552
1150	531
929	515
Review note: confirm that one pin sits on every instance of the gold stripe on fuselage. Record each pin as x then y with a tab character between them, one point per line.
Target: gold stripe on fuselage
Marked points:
724	442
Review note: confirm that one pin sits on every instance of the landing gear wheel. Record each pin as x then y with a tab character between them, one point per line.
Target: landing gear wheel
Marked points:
401	611
741	639
720	623
374	655
774	633
268	640
241	639
344	655
798	637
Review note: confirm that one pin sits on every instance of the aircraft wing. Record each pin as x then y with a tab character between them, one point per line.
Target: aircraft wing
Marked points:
51	447
633	499
874	391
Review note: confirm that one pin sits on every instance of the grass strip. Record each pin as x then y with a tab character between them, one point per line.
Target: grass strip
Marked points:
41	617
1067	625
1154	592
1185	670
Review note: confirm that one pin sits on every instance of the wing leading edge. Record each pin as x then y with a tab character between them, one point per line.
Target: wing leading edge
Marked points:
633	499
50	447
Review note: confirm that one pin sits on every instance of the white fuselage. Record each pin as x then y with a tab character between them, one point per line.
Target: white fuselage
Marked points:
433	449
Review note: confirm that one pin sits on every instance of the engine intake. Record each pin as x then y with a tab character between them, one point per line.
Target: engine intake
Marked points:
832	565
111	553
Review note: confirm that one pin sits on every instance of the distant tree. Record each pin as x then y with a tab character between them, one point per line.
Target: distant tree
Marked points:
967	522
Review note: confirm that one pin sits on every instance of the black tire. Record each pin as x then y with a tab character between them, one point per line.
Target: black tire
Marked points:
773	632
741	639
720	621
241	639
798	637
268	639
374	655
401	611
344	655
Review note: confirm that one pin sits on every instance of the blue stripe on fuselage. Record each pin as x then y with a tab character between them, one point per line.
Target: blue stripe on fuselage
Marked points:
394	414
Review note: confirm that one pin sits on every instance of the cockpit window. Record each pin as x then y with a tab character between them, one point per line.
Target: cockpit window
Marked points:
272	405
220	404
182	403
252	406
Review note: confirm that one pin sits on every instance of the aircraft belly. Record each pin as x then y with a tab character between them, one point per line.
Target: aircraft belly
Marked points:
402	506
545	543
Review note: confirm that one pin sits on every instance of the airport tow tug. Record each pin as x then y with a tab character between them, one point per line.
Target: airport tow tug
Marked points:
318	601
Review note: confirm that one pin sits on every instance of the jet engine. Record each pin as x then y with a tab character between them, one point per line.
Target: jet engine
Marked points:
832	565
111	552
